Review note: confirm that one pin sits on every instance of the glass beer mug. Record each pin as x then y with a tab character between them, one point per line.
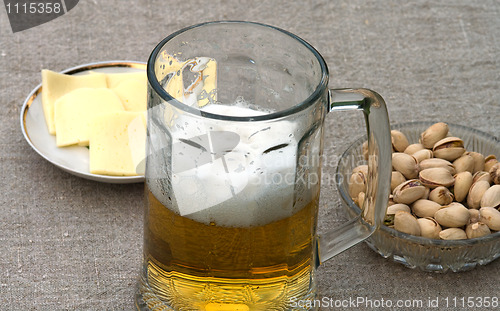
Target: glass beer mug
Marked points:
233	169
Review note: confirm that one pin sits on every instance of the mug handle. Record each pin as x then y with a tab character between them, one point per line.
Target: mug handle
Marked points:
379	171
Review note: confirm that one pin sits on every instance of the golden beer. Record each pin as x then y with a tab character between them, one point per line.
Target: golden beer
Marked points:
196	266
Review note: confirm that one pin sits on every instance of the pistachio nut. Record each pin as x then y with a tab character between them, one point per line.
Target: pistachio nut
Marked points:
435	177
422	155
427	178
391	200
464	163
463	181
367	207
481	175
474	215
411	149
396	179
495	173
429	228
361	168
365	150
405	164
426	194
453	234
391	210
489	161
436	162
409	191
433	134
389	220
452	216
399	141
477	230
406	222
478	161
357	184
491	197
491	217
361	199
449	148
455	204
425	208
441	195
476	192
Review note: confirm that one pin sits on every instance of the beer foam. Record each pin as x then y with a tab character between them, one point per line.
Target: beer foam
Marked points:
250	182
240	108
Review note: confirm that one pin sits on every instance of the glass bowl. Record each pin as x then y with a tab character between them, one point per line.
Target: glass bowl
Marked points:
414	251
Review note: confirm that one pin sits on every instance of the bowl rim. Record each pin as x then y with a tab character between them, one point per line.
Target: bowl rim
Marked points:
339	178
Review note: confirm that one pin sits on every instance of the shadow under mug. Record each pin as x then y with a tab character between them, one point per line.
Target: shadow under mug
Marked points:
236	116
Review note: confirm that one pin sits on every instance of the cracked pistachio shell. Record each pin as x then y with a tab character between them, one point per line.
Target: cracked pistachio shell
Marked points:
477	230
489	161
441	195
423	154
391	210
463	181
425	208
429	228
452	216
361	168
481	175
409	191
453	234
411	149
478	161
357	184
399	141
407	223
449	148
464	163
396	179
491	217
436	162
476	192
495	173
433	134
491	197
474	215
435	177
405	164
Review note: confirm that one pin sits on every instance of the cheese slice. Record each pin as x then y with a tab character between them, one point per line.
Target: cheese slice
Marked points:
118	143
74	112
55	85
133	92
114	79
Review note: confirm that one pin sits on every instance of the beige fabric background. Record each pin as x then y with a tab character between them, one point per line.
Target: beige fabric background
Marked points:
71	244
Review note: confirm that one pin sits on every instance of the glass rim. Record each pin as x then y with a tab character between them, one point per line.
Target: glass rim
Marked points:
310	100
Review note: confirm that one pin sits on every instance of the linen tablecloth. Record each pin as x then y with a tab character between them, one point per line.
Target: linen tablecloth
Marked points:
67	243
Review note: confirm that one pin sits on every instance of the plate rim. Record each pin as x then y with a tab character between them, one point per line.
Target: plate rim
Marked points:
73	70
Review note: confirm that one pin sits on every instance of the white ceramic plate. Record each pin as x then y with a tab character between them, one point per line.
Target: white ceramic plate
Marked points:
74	159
